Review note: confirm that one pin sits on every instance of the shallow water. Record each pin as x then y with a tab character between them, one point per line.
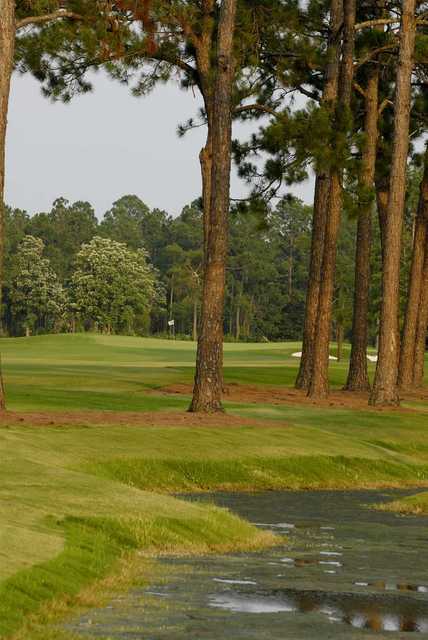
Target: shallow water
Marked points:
345	572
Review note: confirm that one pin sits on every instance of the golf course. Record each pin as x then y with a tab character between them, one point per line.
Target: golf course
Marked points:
96	441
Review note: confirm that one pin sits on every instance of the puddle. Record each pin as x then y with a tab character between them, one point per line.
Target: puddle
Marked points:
345	571
361	613
224	581
306	562
394	586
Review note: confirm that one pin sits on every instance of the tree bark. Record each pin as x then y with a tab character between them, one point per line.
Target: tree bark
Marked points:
382	198
321	201
195	320
208	386
385	390
206	161
339	340
319	386
322	188
7	52
408	345
358	378
421	328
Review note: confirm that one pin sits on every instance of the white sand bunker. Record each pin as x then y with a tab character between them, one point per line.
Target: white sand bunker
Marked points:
372	358
298	354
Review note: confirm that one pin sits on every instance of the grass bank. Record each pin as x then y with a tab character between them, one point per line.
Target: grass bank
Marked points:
75	498
412	505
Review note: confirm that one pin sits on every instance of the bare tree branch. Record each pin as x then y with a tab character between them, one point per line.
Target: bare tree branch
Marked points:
47	17
376	23
257	107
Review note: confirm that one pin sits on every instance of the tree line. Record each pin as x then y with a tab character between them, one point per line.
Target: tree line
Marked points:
361	67
48	254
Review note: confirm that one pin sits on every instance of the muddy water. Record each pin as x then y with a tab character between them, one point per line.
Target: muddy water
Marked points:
345	572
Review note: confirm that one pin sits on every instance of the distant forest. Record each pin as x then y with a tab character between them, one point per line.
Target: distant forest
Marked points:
267	269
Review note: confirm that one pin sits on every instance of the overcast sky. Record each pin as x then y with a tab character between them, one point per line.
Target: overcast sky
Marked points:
104	145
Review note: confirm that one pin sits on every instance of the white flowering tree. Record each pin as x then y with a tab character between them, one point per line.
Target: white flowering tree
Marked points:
37	299
112	285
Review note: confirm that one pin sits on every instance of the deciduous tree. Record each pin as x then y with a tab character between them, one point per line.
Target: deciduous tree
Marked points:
112	284
37	297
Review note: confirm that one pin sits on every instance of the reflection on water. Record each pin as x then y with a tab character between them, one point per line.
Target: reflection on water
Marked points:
393	586
305	562
361	613
344	571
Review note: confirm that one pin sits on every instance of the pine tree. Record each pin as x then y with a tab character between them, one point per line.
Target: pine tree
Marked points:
385	390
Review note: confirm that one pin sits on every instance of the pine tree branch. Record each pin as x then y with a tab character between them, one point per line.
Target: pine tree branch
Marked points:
376	23
385	103
47	17
384	21
257	107
375	52
309	94
359	88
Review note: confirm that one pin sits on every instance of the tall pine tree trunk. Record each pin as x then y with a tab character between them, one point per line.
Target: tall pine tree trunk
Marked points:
358	379
322	189
319	386
382	198
208	386
408	344
421	328
321	204
205	158
195	320
385	390
7	51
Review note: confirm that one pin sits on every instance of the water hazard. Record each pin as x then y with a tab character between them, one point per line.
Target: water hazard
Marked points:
346	572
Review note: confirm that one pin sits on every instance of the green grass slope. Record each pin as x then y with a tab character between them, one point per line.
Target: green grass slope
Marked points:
73	499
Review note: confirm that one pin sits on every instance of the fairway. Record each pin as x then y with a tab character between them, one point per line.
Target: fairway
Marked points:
73	489
89	371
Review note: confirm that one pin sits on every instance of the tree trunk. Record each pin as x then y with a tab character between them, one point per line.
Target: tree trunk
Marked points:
382	199
385	390
339	340
358	378
408	344
195	320
238	319
322	188
321	200
208	386
421	328
171	298
206	160
7	52
319	386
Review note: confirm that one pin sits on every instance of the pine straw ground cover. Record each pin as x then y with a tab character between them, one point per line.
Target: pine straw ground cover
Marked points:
82	499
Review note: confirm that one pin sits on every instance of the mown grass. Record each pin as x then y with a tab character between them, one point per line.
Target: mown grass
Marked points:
114	372
93	545
261	474
74	499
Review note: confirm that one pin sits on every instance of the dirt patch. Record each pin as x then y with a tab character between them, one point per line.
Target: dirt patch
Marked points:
124	418
286	395
234	392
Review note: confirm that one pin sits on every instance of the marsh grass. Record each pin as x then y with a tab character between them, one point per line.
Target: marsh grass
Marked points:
411	505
